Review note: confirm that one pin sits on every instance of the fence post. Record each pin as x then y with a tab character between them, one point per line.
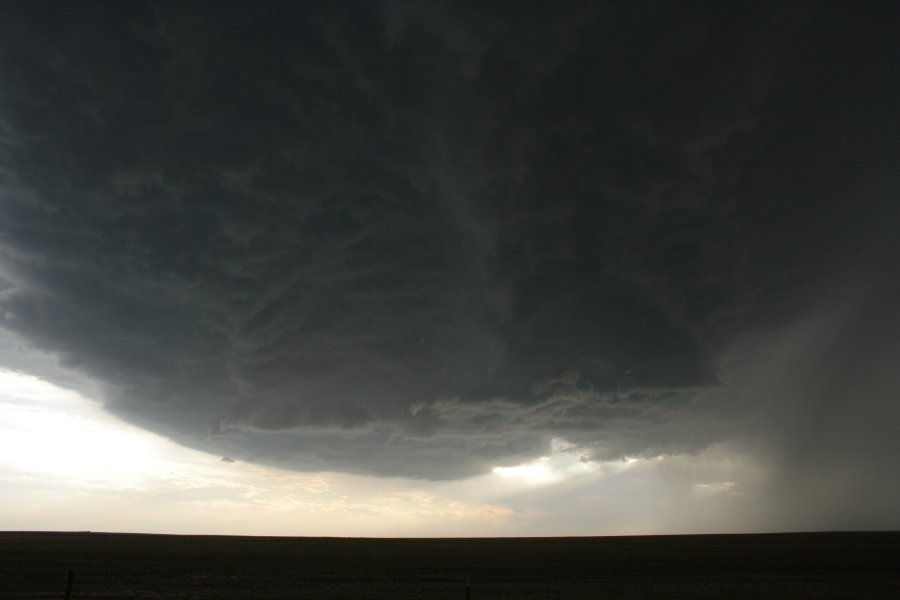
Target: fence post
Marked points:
69	584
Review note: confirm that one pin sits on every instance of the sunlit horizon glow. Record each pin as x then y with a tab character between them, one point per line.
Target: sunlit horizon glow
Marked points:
67	464
62	453
534	472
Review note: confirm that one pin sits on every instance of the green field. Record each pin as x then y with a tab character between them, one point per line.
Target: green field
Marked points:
808	565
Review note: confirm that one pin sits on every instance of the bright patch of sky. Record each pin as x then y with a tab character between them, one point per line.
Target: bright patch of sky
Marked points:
66	464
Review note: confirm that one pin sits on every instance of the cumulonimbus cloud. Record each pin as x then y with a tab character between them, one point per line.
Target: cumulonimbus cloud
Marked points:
416	240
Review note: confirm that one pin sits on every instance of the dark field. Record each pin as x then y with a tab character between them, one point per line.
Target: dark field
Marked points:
807	565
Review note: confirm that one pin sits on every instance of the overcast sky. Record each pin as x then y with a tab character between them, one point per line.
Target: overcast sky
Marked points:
629	266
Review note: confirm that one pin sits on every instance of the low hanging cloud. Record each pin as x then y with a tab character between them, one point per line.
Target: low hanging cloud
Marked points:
427	239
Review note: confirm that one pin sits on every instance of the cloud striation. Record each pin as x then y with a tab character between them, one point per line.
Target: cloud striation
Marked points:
427	239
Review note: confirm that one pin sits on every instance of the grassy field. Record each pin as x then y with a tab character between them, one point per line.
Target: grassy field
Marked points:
806	565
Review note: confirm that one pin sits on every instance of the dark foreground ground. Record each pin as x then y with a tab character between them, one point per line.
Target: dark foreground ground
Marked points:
806	565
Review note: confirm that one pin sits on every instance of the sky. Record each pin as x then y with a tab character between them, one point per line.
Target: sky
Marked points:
449	268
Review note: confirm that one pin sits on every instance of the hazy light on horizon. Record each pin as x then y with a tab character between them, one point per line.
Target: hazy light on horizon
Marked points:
67	464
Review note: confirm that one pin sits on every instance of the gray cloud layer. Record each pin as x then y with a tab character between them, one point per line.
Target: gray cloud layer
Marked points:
425	239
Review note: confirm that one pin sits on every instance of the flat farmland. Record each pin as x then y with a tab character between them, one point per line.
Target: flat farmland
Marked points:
804	565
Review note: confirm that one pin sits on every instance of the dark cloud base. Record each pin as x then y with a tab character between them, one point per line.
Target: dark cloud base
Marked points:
426	239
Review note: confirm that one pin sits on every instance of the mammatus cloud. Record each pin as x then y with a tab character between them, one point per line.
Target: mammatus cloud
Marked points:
426	240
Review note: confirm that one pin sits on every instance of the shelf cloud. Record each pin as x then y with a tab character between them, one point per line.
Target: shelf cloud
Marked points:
428	239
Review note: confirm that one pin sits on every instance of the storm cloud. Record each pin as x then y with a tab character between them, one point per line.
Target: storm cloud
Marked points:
427	239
